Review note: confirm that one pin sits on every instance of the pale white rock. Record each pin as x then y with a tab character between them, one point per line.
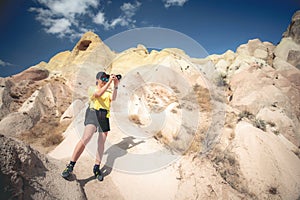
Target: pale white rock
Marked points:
222	66
241	63
283	48
58	61
253	45
260	53
253	90
205	66
72	111
283	123
266	162
229	56
33	107
243	50
138	111
214	58
269	46
281	64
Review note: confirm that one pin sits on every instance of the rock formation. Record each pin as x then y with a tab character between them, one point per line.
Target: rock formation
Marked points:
234	118
27	174
80	65
293	29
288	49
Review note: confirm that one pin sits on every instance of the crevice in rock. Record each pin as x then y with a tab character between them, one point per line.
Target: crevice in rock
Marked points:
84	45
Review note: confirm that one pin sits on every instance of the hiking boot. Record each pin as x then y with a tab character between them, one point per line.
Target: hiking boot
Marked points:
98	174
66	173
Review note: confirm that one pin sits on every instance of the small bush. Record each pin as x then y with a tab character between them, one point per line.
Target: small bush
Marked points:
273	190
174	111
272	124
221	80
296	152
261	124
175	89
135	119
52	139
245	114
276	132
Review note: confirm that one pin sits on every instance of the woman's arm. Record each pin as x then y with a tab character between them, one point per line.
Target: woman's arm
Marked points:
115	92
101	90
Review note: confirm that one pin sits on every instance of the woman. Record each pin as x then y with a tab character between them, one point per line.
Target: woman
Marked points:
96	120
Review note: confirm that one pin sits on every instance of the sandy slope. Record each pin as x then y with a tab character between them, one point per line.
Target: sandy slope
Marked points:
118	183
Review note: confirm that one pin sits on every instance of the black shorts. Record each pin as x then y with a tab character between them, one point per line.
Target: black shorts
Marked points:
97	118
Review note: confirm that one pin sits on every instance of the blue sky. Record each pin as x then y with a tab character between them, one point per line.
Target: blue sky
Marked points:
36	30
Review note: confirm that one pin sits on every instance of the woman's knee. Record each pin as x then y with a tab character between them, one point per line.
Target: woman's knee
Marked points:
88	133
102	137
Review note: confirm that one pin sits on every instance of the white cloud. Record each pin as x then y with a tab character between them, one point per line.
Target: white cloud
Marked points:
169	3
99	18
4	64
130	9
69	8
66	18
119	21
125	19
60	26
58	16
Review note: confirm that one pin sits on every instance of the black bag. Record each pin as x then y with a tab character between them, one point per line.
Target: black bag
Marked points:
101	114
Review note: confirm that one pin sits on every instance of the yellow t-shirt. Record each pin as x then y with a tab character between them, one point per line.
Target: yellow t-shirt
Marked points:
100	102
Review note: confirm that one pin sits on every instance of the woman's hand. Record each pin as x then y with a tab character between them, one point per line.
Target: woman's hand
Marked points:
116	83
115	79
112	78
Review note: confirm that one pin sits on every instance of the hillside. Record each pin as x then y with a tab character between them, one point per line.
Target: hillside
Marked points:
222	127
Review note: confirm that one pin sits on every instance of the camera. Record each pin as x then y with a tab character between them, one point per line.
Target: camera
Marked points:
119	76
105	77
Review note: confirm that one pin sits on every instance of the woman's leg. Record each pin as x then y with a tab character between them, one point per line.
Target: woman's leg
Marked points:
100	149
89	130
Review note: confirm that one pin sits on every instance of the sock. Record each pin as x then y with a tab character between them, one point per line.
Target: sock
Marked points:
96	168
72	163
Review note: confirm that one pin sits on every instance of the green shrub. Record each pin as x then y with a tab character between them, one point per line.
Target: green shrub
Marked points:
245	114
261	124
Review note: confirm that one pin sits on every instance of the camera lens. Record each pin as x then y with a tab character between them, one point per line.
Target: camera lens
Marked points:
119	76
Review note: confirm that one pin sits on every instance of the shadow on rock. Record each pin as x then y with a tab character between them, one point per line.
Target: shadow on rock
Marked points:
116	151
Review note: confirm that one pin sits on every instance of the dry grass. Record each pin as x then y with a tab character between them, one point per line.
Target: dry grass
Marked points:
160	137
196	144
174	111
53	139
175	89
256	122
135	119
46	133
227	165
203	99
